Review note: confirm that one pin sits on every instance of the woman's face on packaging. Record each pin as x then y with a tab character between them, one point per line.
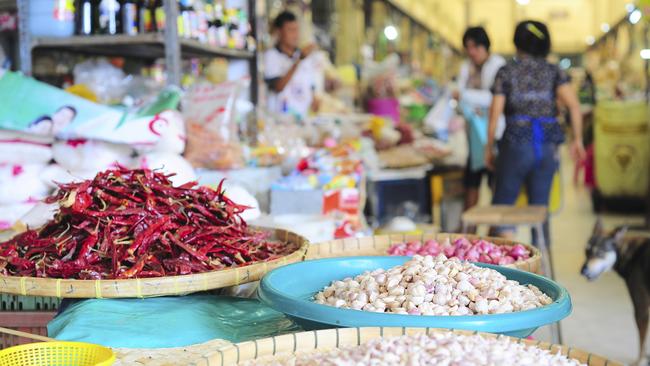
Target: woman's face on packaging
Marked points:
43	128
61	119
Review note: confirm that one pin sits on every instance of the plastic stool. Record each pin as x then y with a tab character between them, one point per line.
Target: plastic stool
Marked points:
506	215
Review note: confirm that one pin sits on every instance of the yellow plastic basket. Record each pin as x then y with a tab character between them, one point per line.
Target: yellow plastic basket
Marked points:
57	354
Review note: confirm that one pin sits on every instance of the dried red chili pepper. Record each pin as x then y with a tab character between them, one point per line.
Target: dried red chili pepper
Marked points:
135	223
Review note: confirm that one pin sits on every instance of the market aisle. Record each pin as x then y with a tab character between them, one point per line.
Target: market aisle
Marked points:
602	320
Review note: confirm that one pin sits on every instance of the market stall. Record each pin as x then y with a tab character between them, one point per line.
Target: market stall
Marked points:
163	201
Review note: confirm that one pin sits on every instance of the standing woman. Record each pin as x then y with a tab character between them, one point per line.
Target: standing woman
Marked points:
526	91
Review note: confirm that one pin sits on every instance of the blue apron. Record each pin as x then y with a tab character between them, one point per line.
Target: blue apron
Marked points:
537	131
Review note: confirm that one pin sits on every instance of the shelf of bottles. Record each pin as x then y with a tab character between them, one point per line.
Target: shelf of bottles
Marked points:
205	27
141	28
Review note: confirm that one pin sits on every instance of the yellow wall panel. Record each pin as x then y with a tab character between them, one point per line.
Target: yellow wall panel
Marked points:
570	21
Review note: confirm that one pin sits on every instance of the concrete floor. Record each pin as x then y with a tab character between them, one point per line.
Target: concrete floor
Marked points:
602	321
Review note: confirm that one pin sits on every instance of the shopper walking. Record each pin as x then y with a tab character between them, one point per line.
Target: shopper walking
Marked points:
527	90
475	80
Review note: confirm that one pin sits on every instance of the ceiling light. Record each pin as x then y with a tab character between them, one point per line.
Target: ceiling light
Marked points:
390	32
590	40
635	16
604	27
645	53
523	2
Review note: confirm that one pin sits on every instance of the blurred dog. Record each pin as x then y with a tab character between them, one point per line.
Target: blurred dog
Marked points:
629	256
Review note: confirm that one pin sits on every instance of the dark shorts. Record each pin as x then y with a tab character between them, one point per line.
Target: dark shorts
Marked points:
473	178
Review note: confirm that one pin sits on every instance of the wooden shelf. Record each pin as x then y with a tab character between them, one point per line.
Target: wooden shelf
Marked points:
149	45
194	48
7	5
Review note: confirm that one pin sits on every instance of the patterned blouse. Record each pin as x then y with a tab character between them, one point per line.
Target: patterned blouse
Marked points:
529	85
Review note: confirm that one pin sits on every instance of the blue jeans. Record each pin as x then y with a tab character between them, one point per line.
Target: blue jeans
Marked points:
517	166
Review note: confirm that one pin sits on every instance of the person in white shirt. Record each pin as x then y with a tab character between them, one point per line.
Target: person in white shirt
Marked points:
289	72
475	79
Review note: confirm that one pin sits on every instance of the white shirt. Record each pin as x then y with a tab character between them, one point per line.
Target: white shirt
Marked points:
481	98
296	98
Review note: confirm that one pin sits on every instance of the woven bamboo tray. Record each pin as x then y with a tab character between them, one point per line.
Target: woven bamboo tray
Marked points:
187	355
158	286
166	356
378	245
322	340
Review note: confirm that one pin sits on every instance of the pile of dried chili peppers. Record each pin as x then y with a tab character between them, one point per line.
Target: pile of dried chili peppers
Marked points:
135	223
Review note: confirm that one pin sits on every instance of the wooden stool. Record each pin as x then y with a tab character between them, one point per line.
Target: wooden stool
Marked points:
506	215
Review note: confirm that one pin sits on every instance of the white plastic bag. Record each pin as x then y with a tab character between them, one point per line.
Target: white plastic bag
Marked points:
437	120
108	82
90	155
168	163
212	132
22	148
21	183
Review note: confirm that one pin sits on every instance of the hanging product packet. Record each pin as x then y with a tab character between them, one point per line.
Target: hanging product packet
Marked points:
212	130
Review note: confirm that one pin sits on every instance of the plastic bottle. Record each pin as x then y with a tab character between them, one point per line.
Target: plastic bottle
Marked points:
220	25
146	16
202	19
109	17
194	24
86	17
211	31
130	13
186	11
159	16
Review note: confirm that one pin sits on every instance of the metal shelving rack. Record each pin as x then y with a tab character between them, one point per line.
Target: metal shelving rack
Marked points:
144	46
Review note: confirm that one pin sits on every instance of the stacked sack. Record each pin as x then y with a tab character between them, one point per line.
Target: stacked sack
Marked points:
23	159
64	161
58	137
165	153
81	159
162	141
49	136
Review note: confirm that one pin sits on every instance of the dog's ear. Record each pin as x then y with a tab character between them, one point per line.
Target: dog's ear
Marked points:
619	233
598	227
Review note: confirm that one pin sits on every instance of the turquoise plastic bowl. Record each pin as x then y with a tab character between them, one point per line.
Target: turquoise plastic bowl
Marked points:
289	289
